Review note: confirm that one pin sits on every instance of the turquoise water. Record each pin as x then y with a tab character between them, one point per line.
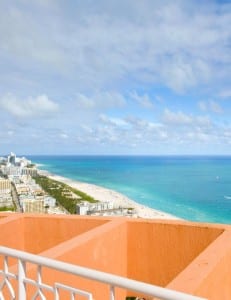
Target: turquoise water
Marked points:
193	188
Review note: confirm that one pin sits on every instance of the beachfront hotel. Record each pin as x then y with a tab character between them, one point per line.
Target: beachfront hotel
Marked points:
85	257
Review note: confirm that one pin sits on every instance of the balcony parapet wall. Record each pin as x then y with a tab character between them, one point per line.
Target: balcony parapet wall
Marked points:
190	257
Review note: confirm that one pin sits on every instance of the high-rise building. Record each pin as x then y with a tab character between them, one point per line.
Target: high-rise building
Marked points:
5	185
12	158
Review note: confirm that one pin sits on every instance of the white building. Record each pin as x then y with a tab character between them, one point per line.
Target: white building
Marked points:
11	159
49	201
12	170
82	208
85	208
33	205
6	200
5	193
5	185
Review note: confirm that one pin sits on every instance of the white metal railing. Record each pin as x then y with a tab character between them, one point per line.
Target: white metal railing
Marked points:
112	280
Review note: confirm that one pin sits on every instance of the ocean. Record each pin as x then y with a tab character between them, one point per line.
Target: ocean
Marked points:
190	187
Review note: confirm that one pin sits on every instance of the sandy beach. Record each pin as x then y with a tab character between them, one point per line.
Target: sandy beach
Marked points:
119	200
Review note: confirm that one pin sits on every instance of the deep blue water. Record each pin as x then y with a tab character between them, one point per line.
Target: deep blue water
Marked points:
193	188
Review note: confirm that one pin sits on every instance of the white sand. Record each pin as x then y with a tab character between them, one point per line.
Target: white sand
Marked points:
103	194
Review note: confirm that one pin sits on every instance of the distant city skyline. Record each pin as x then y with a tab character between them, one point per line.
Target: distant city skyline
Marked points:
115	77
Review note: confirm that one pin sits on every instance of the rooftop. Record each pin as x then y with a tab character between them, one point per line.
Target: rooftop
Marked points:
193	258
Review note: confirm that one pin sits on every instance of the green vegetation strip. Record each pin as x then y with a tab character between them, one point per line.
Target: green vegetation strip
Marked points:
7	208
63	193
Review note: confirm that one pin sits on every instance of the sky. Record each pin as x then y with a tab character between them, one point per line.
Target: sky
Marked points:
114	77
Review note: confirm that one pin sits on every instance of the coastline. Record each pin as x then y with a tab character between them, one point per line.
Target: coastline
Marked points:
104	194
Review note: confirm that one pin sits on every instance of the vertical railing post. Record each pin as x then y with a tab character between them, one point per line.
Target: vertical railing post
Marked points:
112	292
72	296
56	293
21	276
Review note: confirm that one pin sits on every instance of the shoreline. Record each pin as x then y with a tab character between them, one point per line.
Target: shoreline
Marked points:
103	194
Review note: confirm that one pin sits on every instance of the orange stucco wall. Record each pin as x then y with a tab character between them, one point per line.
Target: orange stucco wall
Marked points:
12	231
190	257
43	232
209	275
103	249
157	252
11	235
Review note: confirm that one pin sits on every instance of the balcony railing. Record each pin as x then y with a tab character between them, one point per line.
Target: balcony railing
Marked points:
113	281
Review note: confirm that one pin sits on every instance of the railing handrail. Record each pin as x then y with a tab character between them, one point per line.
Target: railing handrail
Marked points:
110	279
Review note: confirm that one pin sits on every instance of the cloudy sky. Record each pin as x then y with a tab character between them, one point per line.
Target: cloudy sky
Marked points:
115	77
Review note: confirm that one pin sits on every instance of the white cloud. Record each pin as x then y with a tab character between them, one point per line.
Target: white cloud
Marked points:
198	136
210	106
181	126
87	129
177	45
96	53
100	100
123	132
202	105
215	107
31	107
64	136
225	93
159	98
144	126
85	102
118	122
204	121
10	132
176	118
142	100
179	75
